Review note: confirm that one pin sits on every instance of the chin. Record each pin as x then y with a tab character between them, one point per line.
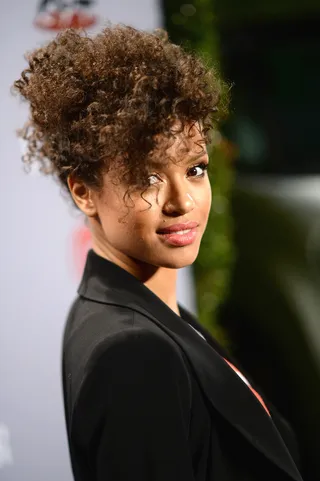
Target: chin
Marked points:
178	259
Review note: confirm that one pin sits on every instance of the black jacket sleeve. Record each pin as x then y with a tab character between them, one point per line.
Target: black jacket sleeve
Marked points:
131	419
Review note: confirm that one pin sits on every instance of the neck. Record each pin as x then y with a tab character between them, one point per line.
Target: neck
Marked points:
161	281
164	284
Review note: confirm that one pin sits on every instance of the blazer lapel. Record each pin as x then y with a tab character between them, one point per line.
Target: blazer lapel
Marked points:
106	282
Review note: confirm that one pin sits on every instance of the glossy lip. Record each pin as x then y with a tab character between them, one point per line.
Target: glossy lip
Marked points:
180	240
176	227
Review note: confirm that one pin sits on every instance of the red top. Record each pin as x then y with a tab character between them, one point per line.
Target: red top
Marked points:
244	379
249	385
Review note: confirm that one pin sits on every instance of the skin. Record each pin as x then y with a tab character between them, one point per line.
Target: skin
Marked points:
178	193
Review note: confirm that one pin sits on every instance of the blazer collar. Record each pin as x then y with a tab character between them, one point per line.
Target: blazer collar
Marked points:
106	282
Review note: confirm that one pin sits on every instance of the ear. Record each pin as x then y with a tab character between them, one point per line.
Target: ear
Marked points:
83	196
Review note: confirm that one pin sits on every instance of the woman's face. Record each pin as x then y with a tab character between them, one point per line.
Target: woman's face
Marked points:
179	193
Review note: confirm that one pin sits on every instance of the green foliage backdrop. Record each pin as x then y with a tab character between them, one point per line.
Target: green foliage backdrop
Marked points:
193	26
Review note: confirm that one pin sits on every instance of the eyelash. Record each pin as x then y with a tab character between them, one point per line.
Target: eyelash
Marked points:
202	165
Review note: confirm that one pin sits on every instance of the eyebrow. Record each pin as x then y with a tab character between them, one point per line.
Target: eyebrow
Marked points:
157	163
186	150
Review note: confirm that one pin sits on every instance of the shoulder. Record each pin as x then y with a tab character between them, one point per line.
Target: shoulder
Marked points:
138	355
102	337
137	344
94	327
95	317
135	377
138	365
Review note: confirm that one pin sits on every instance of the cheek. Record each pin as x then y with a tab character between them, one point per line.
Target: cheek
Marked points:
204	198
209	198
144	217
126	223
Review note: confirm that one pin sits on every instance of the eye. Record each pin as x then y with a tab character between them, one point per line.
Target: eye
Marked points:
153	179
203	168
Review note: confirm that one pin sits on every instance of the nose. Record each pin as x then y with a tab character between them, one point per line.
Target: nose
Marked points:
179	203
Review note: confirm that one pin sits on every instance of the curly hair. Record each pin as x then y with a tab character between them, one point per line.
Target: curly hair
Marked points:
98	102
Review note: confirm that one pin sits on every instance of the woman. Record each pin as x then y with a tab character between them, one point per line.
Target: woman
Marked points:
123	120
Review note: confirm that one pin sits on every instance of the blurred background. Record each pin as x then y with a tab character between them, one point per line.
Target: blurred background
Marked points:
258	272
256	281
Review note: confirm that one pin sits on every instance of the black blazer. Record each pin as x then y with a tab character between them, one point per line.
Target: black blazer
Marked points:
147	399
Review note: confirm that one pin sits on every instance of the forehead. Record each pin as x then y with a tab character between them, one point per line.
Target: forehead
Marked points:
182	146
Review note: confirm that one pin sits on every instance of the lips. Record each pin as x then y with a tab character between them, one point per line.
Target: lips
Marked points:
178	227
179	235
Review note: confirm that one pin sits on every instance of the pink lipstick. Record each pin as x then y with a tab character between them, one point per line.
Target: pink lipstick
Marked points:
179	234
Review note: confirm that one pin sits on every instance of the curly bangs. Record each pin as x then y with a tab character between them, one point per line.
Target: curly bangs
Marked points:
97	103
